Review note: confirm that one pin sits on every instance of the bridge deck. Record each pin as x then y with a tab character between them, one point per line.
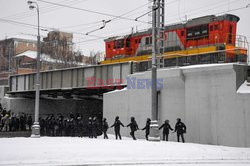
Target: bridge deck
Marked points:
92	78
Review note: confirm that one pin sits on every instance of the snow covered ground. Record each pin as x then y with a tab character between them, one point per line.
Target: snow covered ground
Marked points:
85	151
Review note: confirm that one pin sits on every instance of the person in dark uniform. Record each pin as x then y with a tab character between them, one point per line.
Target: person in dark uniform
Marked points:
166	127
29	122
133	127
105	127
117	125
147	128
94	127
180	128
89	127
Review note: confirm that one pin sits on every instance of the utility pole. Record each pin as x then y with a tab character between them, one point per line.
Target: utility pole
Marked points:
157	49
154	127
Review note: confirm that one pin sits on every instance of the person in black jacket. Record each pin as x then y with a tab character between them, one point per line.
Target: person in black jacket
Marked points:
166	127
147	128
180	128
90	127
117	125
94	127
105	127
133	127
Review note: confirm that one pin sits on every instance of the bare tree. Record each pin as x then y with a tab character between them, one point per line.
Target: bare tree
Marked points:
60	49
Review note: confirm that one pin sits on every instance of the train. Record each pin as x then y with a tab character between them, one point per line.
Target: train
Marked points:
207	39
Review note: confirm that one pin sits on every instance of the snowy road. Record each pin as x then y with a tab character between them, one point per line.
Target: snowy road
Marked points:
84	151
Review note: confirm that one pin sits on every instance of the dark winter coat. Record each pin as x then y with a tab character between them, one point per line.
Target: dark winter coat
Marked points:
117	125
133	125
147	127
166	127
105	126
180	128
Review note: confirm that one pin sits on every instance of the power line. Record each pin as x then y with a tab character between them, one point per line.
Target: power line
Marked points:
78	25
43	10
196	10
91	11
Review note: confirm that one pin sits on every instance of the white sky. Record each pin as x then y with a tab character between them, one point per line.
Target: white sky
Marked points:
62	18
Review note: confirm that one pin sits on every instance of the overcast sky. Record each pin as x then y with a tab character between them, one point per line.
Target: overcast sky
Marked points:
81	22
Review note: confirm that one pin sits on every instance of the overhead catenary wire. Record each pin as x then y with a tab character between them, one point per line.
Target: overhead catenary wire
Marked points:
195	11
43	10
91	11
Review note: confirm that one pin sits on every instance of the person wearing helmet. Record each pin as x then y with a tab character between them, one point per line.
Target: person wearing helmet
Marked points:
105	127
133	127
117	125
166	127
180	129
147	128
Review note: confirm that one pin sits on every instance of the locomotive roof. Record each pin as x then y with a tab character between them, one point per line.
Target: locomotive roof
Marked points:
190	23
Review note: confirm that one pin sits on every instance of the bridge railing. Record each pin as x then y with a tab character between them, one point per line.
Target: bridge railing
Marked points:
71	78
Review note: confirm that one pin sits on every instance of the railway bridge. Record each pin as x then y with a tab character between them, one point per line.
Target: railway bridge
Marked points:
80	82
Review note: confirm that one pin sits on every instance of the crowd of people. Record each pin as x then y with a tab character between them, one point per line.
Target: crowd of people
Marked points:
11	122
77	125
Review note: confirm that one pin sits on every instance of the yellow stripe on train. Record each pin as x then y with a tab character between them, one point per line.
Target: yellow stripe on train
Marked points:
173	54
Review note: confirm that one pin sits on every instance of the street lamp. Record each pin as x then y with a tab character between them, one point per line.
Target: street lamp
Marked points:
36	127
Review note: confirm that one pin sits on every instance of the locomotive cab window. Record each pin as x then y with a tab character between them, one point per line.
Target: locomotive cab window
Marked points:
119	43
197	32
127	42
148	40
204	29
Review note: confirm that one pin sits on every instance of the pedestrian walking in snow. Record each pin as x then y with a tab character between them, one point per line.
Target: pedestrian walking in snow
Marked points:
166	127
133	127
147	128
117	125
105	127
180	129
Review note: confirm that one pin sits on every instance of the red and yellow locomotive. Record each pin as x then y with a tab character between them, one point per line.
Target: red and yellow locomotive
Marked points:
208	39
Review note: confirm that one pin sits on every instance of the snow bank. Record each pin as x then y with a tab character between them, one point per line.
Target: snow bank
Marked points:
85	151
244	88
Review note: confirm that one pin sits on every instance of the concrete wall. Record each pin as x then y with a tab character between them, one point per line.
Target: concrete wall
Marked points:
204	97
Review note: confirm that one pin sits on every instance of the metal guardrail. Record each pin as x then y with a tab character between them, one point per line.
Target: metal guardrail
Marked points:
71	78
